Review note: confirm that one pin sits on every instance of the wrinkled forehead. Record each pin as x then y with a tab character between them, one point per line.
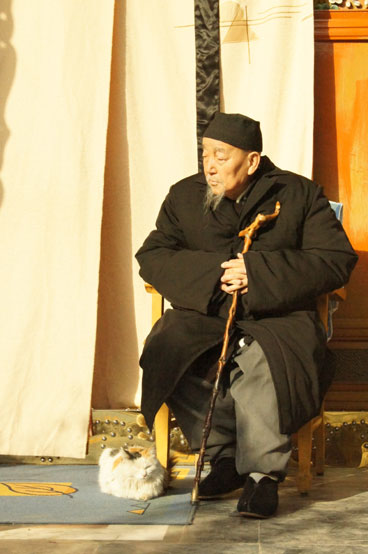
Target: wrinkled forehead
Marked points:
214	145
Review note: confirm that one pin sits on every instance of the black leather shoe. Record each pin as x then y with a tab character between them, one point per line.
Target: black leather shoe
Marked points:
259	499
222	480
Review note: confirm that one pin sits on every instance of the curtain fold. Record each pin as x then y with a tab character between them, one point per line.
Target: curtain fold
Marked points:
267	72
56	64
152	144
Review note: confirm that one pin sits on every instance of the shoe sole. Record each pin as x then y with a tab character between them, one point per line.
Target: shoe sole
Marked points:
219	496
252	514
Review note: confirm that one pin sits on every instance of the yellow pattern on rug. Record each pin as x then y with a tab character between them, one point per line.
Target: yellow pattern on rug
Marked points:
36	489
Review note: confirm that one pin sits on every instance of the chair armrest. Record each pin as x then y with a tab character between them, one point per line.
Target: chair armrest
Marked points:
150	289
322	303
338	294
157	302
326	305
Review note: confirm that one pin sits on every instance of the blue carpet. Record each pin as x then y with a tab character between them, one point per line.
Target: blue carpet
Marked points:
70	494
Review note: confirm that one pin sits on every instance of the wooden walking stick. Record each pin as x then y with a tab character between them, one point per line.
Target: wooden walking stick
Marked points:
248	234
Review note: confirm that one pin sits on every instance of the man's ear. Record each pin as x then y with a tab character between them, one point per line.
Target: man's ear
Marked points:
254	159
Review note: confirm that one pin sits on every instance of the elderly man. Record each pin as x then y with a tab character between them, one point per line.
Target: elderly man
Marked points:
275	376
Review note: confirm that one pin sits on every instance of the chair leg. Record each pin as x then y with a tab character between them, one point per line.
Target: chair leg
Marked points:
319	438
162	433
304	477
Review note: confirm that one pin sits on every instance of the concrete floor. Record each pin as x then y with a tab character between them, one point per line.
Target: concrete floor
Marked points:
331	519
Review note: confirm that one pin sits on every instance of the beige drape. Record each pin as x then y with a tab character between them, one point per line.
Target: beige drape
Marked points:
267	61
55	74
151	145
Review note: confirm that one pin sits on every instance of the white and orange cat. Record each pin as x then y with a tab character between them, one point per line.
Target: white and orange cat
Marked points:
133	472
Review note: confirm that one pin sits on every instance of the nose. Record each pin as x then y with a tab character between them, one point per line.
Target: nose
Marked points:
210	165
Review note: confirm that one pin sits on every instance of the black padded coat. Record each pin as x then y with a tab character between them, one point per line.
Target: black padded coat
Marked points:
292	260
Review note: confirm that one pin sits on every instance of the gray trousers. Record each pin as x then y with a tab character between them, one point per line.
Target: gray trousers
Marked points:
245	423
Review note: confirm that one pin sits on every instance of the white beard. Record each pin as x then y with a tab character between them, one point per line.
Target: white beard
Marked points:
212	200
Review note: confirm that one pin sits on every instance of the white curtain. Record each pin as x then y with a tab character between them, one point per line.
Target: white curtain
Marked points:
267	62
55	65
151	145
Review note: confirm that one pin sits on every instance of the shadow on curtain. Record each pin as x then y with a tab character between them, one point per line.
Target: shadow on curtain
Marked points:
7	71
116	360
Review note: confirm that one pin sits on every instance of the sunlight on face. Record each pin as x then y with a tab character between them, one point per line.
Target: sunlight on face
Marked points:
227	168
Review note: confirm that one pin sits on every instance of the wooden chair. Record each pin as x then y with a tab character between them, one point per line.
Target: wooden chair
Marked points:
304	437
315	427
162	419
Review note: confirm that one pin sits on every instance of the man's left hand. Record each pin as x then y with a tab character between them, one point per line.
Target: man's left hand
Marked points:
235	275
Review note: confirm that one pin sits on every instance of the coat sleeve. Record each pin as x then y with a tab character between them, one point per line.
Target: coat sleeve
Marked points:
187	278
289	279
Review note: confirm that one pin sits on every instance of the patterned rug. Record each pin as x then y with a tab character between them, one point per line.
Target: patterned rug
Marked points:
34	494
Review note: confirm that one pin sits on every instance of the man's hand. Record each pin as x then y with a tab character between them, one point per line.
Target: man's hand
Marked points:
234	276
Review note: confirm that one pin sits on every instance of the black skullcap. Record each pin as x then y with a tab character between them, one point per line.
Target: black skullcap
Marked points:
235	129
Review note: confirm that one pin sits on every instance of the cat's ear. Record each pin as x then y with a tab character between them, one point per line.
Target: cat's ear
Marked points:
149	452
125	454
132	453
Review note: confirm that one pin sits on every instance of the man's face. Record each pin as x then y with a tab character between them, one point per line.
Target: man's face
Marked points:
227	168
